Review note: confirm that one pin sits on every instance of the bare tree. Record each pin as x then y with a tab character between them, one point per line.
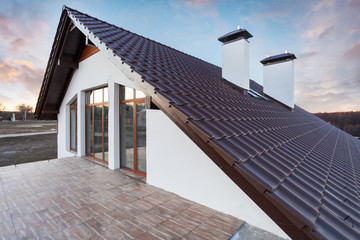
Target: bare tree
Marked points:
23	108
2	107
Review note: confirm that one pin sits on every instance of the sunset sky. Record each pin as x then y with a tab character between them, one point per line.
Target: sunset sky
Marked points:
324	35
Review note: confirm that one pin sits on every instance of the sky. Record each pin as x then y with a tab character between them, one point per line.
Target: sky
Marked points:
324	36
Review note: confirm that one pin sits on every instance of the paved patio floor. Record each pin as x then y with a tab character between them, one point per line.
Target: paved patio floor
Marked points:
74	198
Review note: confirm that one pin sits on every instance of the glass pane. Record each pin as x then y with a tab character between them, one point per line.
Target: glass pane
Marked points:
126	93
106	132
89	97
126	136
106	98
140	94
98	144
72	129
141	137
98	95
89	131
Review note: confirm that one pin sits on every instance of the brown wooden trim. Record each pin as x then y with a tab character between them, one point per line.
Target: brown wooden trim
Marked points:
88	52
136	171
97	159
141	100
95	104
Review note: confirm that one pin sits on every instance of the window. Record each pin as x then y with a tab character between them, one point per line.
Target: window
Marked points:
73	126
132	130
96	112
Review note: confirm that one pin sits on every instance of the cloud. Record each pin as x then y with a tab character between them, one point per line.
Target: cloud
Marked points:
23	33
206	8
353	53
20	81
327	31
198	3
20	71
24	47
324	81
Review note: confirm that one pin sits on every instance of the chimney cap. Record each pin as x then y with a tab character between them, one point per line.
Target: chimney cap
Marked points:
278	58
239	33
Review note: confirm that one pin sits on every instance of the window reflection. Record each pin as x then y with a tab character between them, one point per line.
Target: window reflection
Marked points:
132	130
97	123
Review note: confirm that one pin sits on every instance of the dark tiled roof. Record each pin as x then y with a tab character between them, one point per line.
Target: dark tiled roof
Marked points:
303	172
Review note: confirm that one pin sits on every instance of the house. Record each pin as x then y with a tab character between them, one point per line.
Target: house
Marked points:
206	133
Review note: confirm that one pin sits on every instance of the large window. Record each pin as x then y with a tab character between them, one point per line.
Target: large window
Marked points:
97	124
132	130
73	126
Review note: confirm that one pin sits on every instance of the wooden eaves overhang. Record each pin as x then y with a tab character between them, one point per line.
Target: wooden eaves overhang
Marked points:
68	45
303	172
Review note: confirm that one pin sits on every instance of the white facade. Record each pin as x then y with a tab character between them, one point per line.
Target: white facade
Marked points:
94	72
279	82
235	62
176	164
173	161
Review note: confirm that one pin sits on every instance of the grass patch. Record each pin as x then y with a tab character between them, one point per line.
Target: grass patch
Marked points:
16	150
7	127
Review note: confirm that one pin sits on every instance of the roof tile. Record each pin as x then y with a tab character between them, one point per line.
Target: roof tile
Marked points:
304	163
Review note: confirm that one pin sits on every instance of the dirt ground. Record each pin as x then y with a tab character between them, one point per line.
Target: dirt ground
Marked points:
17	150
7	127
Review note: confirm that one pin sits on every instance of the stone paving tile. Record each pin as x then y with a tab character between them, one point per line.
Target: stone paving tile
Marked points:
211	233
74	198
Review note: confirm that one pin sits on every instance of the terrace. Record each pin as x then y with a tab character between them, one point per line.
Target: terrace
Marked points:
74	198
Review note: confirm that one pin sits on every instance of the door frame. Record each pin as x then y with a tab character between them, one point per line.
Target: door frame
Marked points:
133	101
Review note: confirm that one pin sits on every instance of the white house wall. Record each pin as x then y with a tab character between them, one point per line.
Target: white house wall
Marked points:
176	164
94	72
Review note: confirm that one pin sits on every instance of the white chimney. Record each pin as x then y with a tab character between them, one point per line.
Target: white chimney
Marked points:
278	76
235	57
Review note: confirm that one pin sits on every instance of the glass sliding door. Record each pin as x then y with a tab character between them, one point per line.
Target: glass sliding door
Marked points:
126	136
106	131
98	132
89	131
73	126
97	124
132	130
141	137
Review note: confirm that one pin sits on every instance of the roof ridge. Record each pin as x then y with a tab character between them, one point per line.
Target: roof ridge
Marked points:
111	24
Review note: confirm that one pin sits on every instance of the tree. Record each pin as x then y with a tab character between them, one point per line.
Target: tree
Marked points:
2	107
24	109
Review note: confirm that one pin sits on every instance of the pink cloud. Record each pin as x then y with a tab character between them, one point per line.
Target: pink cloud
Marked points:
325	82
199	3
20	81
204	7
20	72
353	53
23	33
